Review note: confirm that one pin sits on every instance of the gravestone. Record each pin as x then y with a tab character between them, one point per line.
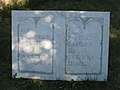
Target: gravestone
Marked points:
60	45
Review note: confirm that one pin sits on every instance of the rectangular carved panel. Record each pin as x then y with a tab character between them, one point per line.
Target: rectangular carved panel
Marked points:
60	45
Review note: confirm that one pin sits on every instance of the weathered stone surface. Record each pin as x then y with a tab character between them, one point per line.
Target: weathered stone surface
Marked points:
60	45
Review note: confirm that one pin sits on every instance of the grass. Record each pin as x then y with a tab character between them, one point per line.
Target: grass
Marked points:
113	83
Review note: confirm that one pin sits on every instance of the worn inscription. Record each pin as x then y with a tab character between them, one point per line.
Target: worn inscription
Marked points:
79	54
35	46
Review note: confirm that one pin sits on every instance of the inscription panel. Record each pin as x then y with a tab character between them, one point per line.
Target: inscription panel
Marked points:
35	53
84	45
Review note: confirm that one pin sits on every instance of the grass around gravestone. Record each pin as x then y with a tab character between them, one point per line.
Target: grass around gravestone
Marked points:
113	83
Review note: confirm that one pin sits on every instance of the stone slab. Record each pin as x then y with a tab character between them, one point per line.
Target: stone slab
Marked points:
60	45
